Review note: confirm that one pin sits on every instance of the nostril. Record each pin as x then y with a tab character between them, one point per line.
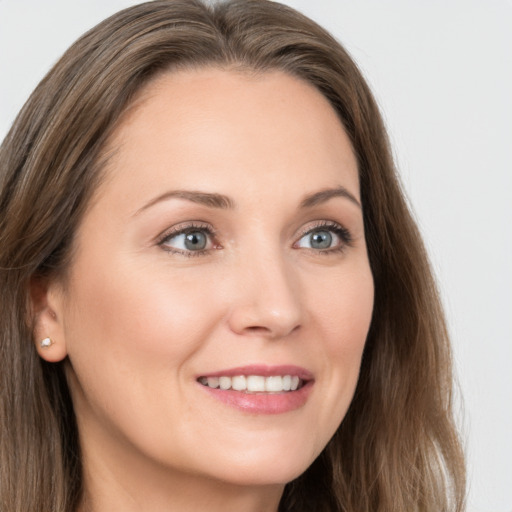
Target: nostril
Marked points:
257	329
268	332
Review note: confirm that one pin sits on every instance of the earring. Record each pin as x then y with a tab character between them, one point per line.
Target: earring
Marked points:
46	343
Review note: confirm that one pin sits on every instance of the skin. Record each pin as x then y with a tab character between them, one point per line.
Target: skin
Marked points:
138	319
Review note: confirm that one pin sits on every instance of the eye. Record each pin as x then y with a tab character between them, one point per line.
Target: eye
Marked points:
326	238
188	240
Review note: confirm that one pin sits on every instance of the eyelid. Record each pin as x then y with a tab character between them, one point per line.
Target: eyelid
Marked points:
183	227
343	233
319	224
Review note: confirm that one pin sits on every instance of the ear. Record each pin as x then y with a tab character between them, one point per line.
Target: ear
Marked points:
46	299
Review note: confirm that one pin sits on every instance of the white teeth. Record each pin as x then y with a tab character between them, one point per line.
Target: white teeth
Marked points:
239	383
213	382
274	383
225	382
254	383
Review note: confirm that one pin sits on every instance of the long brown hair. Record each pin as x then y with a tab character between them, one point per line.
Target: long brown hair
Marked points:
397	448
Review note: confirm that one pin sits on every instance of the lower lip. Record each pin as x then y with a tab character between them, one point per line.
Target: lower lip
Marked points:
262	403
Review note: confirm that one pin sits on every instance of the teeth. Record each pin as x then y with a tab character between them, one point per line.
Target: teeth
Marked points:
239	383
225	382
213	382
274	383
254	383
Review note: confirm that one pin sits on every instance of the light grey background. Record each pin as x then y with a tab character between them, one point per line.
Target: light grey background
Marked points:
441	71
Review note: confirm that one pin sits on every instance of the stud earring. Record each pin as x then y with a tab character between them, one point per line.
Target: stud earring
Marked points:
47	342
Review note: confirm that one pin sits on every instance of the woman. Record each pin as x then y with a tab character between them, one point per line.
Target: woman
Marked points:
214	295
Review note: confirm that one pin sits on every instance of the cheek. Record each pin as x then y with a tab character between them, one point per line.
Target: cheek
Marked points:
131	335
344	309
139	309
342	313
130	332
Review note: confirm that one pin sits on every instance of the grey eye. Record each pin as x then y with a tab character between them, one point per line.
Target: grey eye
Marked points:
189	241
320	240
195	241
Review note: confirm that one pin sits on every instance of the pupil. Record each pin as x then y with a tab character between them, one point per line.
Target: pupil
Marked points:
195	241
321	240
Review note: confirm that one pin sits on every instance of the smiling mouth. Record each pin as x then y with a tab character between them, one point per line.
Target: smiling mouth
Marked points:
252	384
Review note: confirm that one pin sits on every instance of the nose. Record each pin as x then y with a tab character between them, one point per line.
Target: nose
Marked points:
268	301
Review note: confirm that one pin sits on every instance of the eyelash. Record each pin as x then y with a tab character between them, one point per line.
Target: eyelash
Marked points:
183	230
343	234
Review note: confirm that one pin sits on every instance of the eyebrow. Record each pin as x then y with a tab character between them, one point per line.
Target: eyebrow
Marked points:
215	200
211	200
324	195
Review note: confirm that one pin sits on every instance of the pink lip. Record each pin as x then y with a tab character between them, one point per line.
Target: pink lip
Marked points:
263	403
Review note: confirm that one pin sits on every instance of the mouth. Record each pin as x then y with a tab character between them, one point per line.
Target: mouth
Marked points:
260	389
254	383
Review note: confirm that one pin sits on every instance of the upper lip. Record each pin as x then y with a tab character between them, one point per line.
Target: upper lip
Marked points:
263	370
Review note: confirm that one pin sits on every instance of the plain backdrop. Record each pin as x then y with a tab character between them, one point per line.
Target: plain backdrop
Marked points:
442	74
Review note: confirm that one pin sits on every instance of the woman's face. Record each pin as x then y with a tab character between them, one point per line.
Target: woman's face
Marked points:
225	247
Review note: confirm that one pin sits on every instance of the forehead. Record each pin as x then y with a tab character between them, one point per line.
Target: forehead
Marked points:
209	126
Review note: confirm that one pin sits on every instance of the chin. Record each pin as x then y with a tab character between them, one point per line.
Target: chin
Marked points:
263	475
264	468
